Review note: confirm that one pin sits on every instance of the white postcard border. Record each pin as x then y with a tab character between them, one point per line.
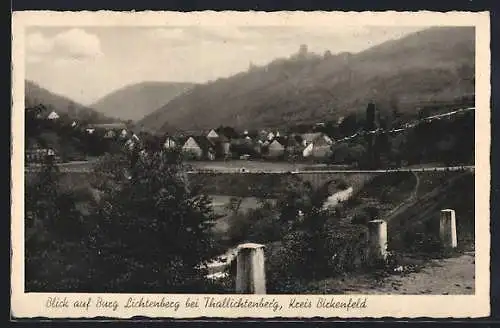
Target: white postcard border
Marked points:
399	306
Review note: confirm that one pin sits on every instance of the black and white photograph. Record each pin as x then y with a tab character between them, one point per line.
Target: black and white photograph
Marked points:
250	159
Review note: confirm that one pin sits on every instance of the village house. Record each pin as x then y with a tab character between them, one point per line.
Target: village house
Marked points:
212	134
220	141
53	116
276	148
110	130
169	143
317	145
198	147
36	154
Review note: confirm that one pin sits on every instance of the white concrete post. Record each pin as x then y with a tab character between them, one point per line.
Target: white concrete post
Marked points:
377	237
250	269
448	228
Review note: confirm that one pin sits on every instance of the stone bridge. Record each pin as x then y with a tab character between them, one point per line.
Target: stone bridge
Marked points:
317	179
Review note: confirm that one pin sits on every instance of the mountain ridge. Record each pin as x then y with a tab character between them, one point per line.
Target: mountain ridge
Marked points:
436	64
134	101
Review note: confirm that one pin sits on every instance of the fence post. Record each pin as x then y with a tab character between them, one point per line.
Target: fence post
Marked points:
448	228
377	237
250	269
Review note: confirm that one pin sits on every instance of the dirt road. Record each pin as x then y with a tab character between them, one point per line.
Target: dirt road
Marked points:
451	276
439	277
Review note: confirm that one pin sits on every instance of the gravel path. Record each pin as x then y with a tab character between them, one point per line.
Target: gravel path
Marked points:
439	277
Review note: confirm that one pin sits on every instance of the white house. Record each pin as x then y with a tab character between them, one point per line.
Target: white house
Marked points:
90	131
199	147
124	133
74	124
212	134
316	144
169	143
270	136
53	116
276	149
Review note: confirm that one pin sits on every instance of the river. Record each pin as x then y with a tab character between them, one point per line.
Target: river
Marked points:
217	266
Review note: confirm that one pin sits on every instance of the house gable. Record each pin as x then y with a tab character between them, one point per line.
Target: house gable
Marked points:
212	134
308	150
53	116
169	143
276	145
191	144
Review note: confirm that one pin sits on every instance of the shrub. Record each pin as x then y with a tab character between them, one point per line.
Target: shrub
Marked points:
149	233
303	256
266	228
56	256
152	232
286	263
239	227
365	214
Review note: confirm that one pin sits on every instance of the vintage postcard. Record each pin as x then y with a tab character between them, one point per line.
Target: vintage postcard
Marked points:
250	164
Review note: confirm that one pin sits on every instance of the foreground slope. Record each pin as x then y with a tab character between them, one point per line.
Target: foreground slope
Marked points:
436	64
133	102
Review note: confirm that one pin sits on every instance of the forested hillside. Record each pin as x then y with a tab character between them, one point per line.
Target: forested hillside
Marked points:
434	65
35	95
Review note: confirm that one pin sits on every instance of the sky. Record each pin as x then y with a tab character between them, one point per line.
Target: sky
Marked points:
87	63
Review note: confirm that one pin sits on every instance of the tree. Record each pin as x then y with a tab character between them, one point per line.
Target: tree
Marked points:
153	230
32	121
349	125
55	253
